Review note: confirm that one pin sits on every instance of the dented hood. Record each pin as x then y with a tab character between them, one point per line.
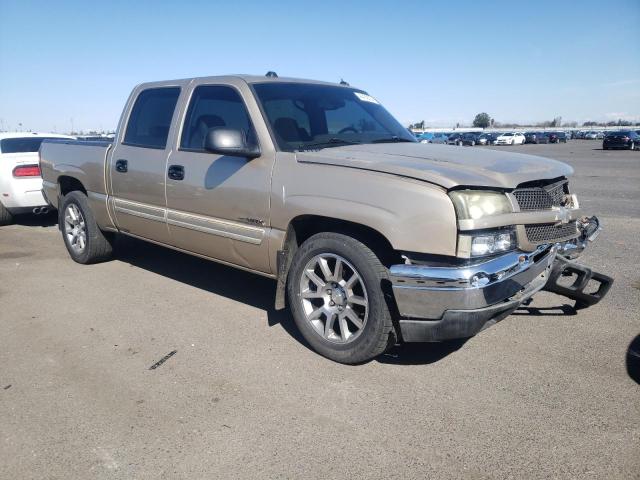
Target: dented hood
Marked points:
443	165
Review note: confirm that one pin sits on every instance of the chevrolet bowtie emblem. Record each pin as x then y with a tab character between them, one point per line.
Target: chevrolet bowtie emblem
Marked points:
563	216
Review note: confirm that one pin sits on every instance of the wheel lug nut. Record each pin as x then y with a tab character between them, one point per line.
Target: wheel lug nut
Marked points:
332	303
329	291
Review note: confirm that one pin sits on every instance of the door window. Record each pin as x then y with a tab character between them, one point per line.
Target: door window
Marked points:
150	118
214	106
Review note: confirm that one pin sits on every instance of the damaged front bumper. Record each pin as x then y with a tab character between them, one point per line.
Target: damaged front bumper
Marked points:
443	303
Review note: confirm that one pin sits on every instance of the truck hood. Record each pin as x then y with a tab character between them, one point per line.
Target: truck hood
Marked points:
442	165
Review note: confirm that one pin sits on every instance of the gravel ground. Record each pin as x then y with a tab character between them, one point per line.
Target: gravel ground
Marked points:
544	394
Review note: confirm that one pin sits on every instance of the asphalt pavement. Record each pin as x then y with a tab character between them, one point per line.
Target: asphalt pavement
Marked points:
236	393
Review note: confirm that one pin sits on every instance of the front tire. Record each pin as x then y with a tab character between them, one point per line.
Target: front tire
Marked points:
5	216
84	240
336	294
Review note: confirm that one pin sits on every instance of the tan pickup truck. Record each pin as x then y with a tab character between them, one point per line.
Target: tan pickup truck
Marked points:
372	237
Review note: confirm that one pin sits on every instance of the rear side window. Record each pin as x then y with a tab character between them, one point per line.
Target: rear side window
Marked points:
150	117
20	145
214	106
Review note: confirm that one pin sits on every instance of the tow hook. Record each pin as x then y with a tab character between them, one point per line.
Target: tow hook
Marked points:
563	267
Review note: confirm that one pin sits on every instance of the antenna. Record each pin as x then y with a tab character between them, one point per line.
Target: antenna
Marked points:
271	74
342	82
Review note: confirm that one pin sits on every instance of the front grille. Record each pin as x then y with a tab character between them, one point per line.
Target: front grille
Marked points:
549	232
542	198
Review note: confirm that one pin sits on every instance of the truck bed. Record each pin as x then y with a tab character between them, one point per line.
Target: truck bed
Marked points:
82	160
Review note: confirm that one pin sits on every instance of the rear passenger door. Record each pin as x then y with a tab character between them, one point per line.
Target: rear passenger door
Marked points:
218	205
138	163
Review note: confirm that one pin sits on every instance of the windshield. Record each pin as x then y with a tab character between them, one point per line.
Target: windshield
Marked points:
310	116
21	144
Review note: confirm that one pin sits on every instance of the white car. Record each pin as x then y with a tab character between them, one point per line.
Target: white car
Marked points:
20	179
510	138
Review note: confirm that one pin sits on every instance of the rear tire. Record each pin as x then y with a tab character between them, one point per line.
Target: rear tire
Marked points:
84	240
5	216
320	293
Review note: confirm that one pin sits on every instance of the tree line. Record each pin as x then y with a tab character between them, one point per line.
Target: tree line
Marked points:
484	120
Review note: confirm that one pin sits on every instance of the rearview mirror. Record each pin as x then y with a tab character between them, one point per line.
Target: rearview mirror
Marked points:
230	141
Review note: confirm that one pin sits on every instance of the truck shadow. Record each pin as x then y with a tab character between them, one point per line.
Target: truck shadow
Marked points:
229	282
420	353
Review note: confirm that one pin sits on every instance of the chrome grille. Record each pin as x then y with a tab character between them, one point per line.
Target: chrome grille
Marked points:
549	232
542	198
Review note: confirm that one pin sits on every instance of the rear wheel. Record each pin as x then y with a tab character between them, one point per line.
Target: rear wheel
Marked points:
5	216
335	290
84	240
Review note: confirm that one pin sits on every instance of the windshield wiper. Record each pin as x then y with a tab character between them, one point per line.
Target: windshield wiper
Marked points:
327	143
394	139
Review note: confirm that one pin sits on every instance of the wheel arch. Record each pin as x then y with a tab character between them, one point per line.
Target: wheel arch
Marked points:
67	184
302	227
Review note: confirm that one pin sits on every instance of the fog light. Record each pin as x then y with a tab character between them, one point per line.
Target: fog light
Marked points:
492	243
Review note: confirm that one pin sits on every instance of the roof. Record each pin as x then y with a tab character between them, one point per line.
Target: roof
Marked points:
246	78
4	135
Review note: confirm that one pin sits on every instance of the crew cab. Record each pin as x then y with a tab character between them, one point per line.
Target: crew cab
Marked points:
20	180
373	238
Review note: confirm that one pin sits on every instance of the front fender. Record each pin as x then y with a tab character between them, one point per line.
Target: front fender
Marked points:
412	215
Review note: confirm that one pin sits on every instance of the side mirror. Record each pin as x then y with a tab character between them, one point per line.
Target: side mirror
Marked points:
230	141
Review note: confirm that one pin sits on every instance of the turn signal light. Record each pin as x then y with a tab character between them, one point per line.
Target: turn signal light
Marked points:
27	171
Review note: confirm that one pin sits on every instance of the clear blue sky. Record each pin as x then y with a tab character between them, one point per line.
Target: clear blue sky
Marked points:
438	61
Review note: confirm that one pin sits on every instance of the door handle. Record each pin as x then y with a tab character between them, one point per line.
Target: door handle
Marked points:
176	172
122	166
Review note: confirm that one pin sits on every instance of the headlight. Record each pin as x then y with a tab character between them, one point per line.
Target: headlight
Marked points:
481	244
475	204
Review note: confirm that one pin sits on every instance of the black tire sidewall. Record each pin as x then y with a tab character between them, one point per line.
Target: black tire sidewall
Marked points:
80	200
365	346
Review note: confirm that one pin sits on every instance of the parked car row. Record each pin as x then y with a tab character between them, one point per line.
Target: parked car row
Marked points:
588	134
519	138
493	138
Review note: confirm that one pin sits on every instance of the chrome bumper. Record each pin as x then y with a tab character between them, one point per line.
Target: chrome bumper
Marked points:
441	303
428	292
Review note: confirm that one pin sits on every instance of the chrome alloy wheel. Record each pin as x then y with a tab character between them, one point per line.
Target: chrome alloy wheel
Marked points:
334	298
75	228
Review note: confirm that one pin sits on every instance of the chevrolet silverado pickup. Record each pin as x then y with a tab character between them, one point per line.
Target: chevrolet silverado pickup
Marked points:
373	238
